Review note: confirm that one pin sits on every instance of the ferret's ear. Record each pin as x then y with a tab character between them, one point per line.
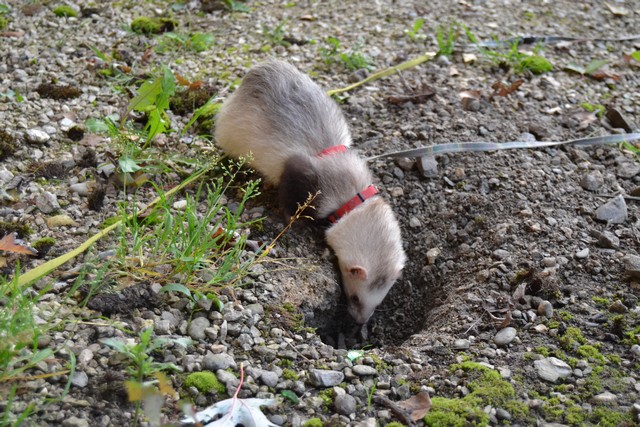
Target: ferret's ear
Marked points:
358	272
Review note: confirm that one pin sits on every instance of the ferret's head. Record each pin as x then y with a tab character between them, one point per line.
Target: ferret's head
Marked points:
368	244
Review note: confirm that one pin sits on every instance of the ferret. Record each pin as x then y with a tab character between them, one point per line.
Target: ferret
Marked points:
298	139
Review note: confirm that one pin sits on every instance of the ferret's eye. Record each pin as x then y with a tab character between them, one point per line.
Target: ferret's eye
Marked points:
355	300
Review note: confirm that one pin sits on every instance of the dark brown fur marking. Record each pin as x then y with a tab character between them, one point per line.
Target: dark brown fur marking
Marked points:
299	179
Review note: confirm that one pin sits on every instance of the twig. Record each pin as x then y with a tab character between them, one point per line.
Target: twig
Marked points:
387	72
397	410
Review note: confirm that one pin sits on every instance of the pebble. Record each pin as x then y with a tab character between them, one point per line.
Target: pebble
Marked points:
66	124
607	240
618	307
606	397
325	378
197	327
505	336
592	181
214	362
503	414
635	350
180	205
269	378
614	211
551	368
545	308
80	379
80	188
632	265
414	222
345	404
583	253
461	344
37	136
47	202
364	370
432	255
75	422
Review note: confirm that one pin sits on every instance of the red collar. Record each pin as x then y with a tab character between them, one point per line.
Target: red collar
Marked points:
354	202
336	149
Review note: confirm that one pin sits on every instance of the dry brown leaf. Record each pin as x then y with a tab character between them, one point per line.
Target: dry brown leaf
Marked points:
181	80
10	243
605	74
506	322
417	406
499	89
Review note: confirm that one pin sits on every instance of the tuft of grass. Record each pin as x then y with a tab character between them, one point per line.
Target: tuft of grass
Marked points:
65	11
196	42
414	31
235	6
275	36
352	59
446	37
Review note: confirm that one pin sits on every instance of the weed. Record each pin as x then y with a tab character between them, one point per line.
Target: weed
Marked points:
511	57
141	363
197	42
276	36
370	393
598	300
414	31
153	25
313	422
446	37
236	6
352	59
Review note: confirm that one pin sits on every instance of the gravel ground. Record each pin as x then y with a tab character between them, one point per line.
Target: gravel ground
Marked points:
519	303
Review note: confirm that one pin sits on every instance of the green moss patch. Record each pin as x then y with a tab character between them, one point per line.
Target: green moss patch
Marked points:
205	382
487	388
65	11
147	25
313	422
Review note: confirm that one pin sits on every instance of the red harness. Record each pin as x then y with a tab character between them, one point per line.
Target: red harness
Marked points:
356	200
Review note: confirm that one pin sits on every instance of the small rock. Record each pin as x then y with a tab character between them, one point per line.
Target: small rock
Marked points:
545	308
345	404
628	170
505	336
47	202
60	221
80	188
364	370
80	379
583	253
214	362
632	265
325	378
461	344
180	205
500	254
607	240
37	136
197	327
269	378
75	422
162	327
592	181
428	166
551	368
432	255
618	307
614	211
606	397
635	350
66	124
503	414
541	328
85	357
414	222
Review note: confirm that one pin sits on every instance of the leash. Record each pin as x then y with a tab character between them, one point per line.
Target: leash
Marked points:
461	147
